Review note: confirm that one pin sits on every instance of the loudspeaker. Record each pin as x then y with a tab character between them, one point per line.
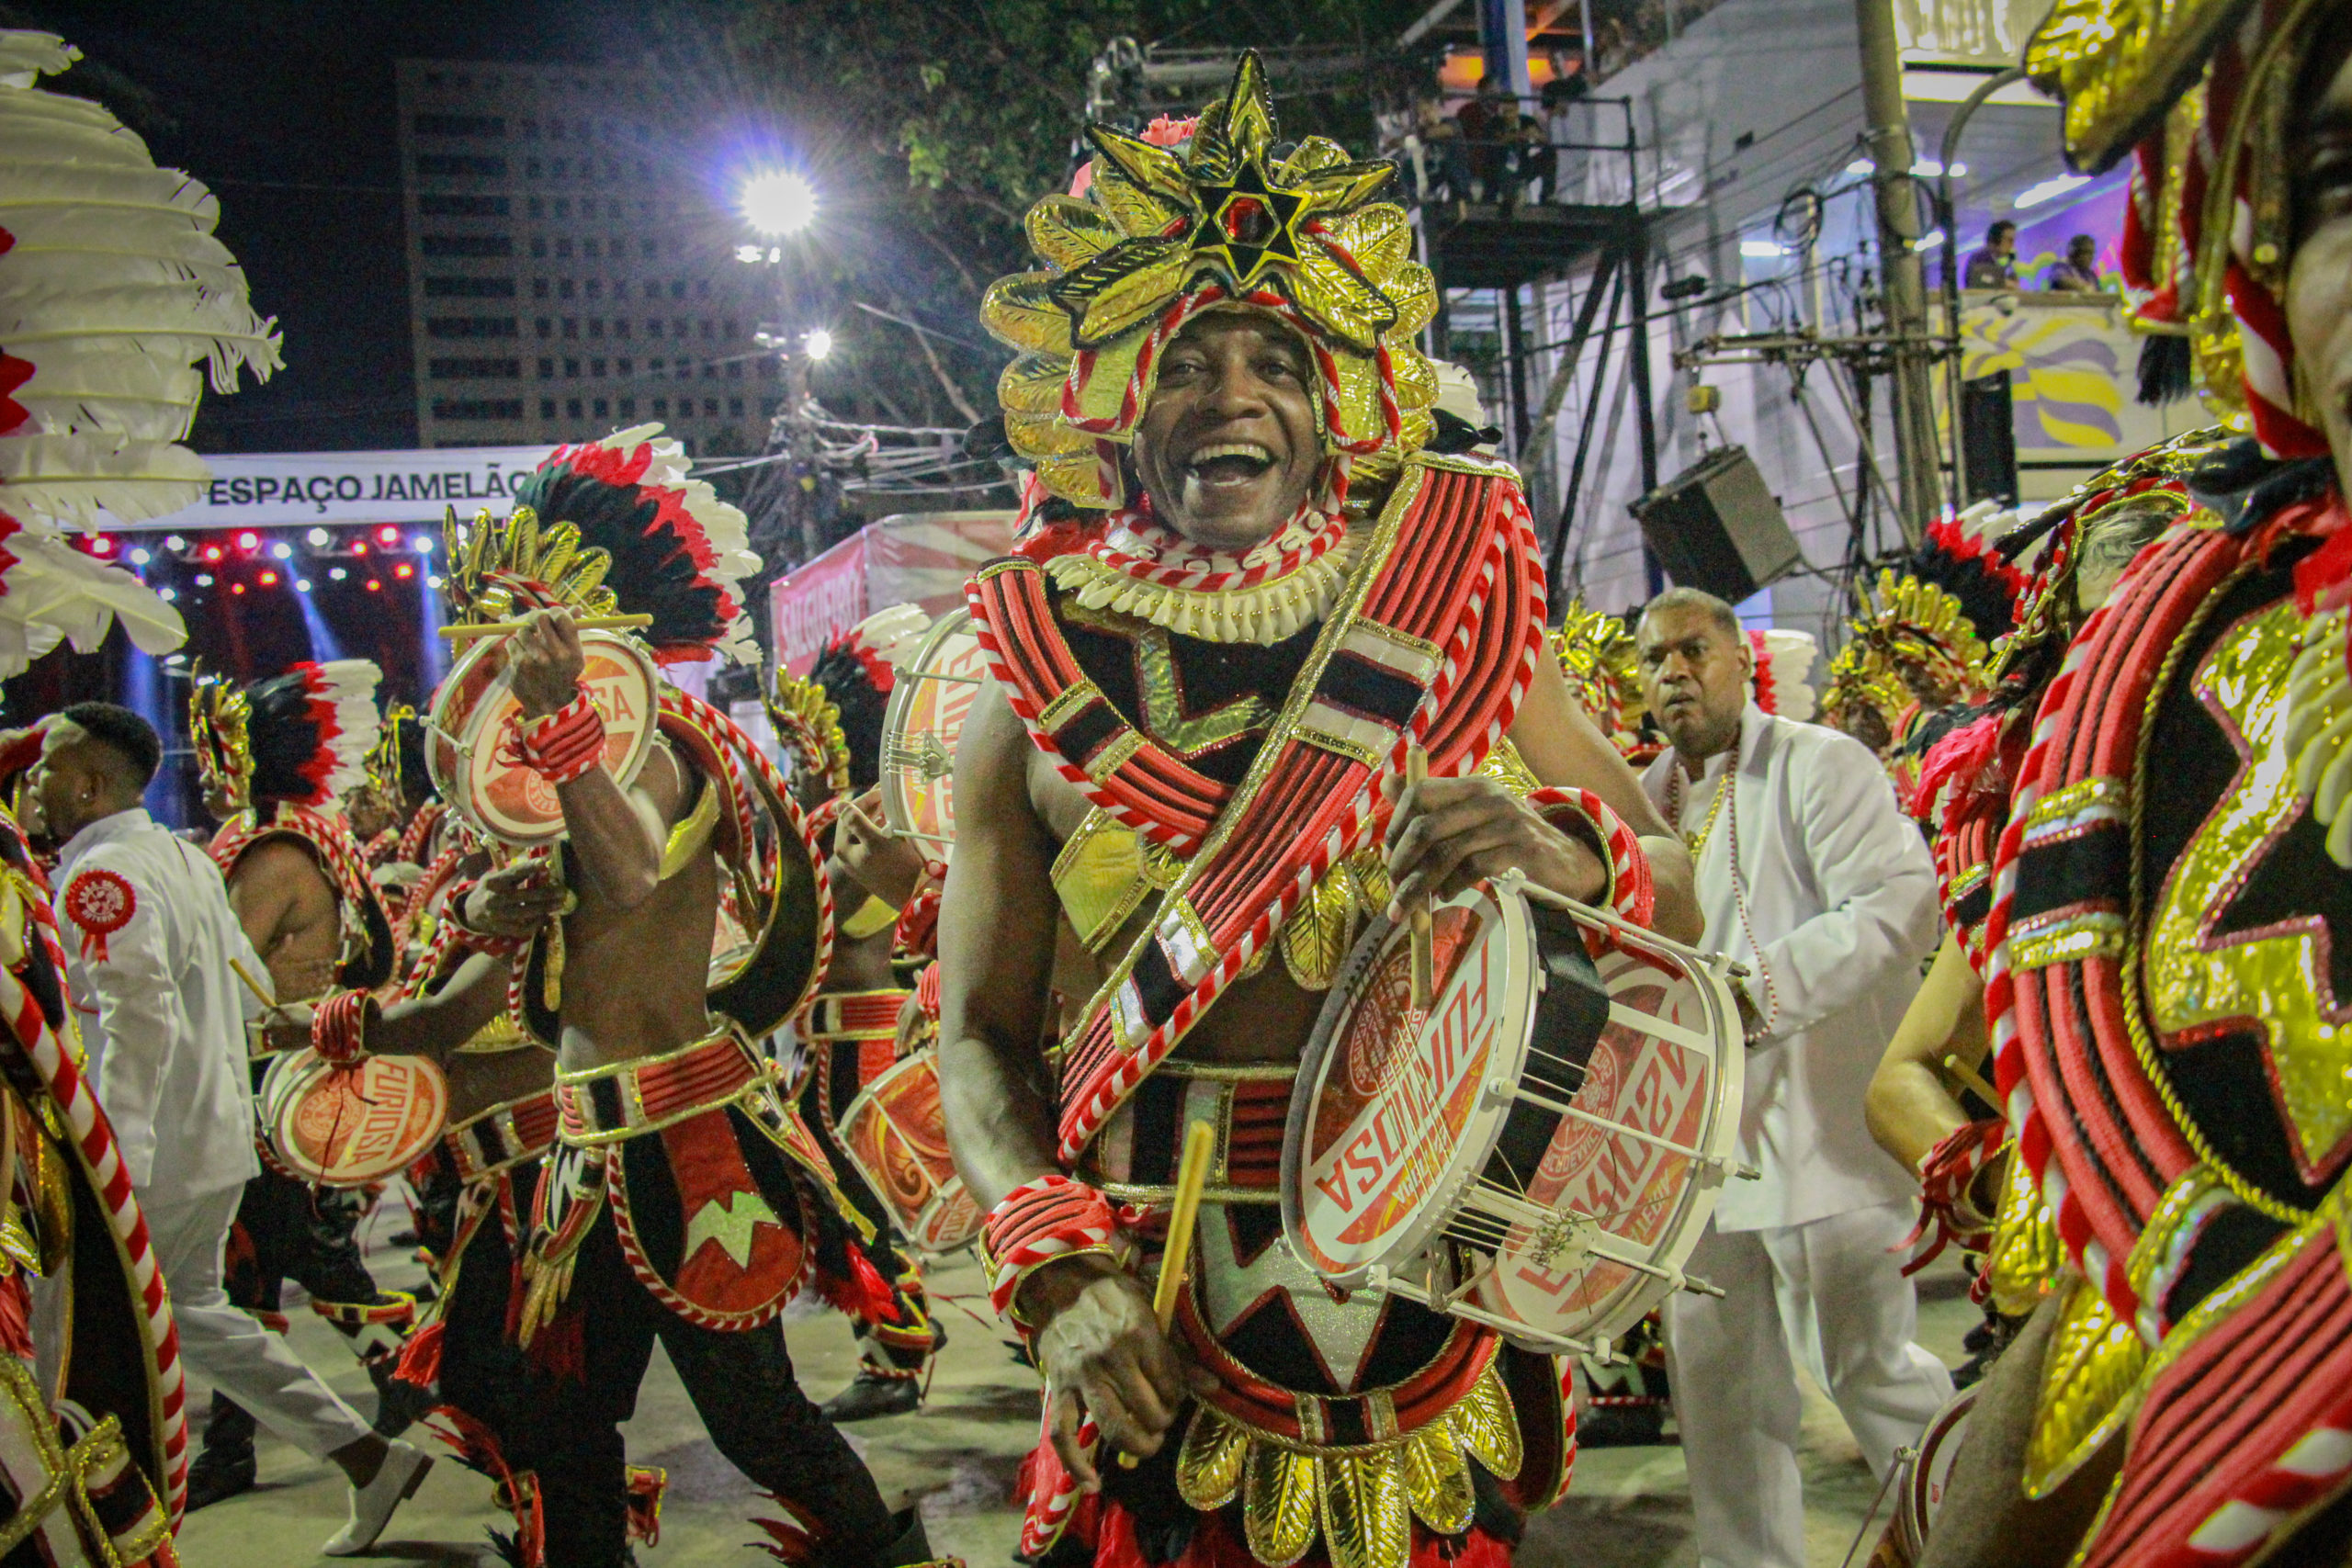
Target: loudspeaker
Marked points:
1716	526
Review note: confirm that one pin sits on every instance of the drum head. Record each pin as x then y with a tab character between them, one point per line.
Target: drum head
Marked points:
470	728
897	1137
1665	1071
352	1126
1392	1119
1540	1151
928	703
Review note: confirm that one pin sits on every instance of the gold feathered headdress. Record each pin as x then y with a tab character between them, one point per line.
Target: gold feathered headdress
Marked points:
807	719
1917	650
1164	234
218	715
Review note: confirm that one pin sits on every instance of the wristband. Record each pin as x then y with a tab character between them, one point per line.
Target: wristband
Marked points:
339	1027
1629	893
561	746
1946	1216
1038	1223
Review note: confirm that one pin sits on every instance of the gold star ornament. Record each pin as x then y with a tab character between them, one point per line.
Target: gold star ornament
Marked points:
1161	235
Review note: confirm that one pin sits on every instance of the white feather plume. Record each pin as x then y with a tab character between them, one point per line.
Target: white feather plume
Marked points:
113	288
1784	673
893	634
728	530
348	685
52	593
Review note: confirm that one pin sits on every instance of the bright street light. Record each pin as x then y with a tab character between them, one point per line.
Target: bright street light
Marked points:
779	202
818	343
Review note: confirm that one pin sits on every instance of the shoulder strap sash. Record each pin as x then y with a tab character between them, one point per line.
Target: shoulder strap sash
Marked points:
1435	641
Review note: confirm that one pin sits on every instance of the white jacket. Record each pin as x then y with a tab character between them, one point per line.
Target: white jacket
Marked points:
149	934
1840	897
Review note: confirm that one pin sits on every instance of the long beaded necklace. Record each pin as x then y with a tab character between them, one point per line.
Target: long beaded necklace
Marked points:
1770	1012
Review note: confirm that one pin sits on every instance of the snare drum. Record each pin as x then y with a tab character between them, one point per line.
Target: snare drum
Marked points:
1539	1151
933	692
469	733
894	1135
355	1125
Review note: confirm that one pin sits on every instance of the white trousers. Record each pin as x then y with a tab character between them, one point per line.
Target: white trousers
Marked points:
228	1347
1830	1294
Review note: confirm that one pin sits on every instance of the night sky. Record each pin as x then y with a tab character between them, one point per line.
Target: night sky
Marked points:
286	110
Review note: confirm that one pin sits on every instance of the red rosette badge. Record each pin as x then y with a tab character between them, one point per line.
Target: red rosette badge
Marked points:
100	903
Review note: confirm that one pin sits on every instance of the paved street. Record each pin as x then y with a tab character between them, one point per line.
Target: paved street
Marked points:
1628	1508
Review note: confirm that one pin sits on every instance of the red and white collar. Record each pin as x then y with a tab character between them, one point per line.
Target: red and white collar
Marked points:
1277	588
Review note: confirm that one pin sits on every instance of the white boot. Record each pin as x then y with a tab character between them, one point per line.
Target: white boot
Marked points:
397	1478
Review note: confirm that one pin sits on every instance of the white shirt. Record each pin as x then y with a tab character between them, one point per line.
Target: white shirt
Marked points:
160	1011
1840	899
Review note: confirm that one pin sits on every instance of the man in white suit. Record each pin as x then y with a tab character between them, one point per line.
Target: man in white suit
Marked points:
149	944
1810	875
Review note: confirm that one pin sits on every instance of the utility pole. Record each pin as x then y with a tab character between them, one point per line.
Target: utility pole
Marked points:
801	441
1918	457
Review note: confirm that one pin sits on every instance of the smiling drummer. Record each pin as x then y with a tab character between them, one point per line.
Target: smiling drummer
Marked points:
1253	586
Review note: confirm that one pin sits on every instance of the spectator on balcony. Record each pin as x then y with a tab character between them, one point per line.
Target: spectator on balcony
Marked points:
1996	267
1487	122
1443	162
2078	274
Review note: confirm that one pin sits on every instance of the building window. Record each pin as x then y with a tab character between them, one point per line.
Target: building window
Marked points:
531	129
595	289
655	366
649	248
653	329
473	369
710	371
734	369
564	289
562	206
537	208
477	407
438	204
735	407
545	327
660	408
469	289
572	326
539	246
460	124
572	369
710	408
702	288
530	168
629	407
547	408
563	249
708	329
539	288
678	288
591	247
560	169
459	166
597	327
546	368
469	326
624	367
767	370
596	368
621	327
572	408
604	408
731	333
678	329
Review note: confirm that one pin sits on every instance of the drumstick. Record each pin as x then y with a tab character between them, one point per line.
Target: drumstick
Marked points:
254	985
472	630
1969	1079
1416	769
1192	1176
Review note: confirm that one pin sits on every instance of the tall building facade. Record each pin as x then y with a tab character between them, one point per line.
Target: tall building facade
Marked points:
570	271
